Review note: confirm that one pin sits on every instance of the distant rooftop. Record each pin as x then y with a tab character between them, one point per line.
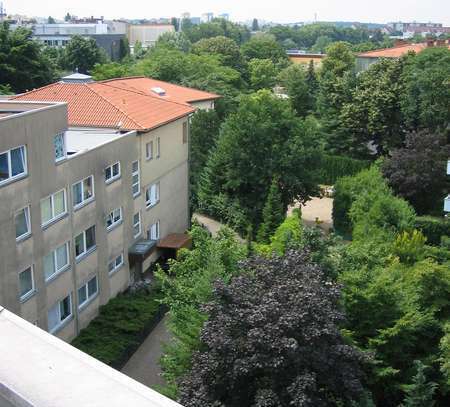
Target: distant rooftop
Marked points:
39	370
399	50
77	77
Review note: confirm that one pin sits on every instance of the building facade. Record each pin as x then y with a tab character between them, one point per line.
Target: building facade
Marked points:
86	184
147	34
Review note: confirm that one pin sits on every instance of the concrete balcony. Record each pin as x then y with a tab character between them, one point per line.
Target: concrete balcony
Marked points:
39	370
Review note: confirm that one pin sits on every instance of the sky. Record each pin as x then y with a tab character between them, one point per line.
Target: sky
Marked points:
283	11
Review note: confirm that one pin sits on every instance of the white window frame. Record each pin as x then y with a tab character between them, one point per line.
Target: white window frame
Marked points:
89	298
11	177
30	292
149	154
63	135
138	183
112	178
52	207
112	216
85	251
57	271
158	147
27	213
61	322
83	200
137	224
148	194
150	231
116	266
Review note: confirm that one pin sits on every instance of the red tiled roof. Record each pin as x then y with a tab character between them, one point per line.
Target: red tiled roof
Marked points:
174	92
394	52
98	104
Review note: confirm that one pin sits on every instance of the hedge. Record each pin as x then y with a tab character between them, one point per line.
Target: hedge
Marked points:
433	228
333	167
121	326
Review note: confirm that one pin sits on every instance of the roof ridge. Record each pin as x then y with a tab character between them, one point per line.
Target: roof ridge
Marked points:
36	89
112	104
148	95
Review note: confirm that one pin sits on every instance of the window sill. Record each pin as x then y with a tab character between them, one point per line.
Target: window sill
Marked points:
111	180
152	205
57	274
136	195
54	220
27	296
114	226
111	273
61	160
23	237
61	325
81	257
85	304
148	158
83	204
13	179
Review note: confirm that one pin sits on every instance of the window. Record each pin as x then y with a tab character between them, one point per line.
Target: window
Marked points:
53	207
87	291
153	233
26	283
57	261
13	164
136	224
115	264
60	147
135	178
85	242
158	147
152	195
83	191
114	218
149	150
22	221
185	133
112	172
59	313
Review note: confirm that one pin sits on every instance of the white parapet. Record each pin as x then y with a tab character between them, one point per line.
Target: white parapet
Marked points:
447	204
39	370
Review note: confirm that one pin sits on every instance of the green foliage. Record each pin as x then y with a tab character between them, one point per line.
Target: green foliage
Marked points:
124	48
189	285
226	48
410	247
263	73
333	167
263	46
444	348
215	28
262	139
174	40
120	326
273	213
23	64
433	228
82	54
420	392
110	70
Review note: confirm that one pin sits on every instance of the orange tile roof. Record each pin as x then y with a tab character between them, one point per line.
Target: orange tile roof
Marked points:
394	52
98	104
174	92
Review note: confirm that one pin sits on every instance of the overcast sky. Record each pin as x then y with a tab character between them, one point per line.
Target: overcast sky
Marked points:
279	10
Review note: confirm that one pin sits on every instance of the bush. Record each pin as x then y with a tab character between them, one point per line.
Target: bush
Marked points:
121	326
433	228
333	167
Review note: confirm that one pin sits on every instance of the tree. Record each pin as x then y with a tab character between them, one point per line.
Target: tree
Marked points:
51	20
23	64
263	138
294	79
273	339
101	72
176	41
225	47
417	171
124	48
312	83
321	44
67	17
255	25
215	28
420	392
263	46
82	54
263	73
175	22
273	213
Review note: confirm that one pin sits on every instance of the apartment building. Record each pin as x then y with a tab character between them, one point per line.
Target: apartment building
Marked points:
94	188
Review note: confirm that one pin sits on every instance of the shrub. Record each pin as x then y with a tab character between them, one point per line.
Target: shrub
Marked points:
433	228
410	247
333	167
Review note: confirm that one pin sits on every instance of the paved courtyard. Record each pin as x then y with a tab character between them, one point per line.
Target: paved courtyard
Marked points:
317	208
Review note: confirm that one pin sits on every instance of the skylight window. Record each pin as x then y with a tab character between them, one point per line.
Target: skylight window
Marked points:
159	91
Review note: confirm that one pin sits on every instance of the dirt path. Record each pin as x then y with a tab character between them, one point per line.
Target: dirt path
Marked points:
320	208
212	225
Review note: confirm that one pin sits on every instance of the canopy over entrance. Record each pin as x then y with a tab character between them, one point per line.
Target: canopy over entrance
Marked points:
175	241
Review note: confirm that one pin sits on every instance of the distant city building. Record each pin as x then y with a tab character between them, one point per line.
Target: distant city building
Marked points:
411	29
147	34
225	16
207	17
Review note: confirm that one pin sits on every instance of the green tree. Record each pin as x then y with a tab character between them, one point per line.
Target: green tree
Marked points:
175	22
294	79
263	138
225	47
82	54
176	41
263	46
321	44
23	64
420	392
273	213
263	73
215	28
255	25
67	17
124	48
51	20
110	70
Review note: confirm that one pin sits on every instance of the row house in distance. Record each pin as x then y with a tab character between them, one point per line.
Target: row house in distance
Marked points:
94	187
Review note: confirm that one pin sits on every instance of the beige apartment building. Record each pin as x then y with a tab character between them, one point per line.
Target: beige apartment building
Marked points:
93	189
